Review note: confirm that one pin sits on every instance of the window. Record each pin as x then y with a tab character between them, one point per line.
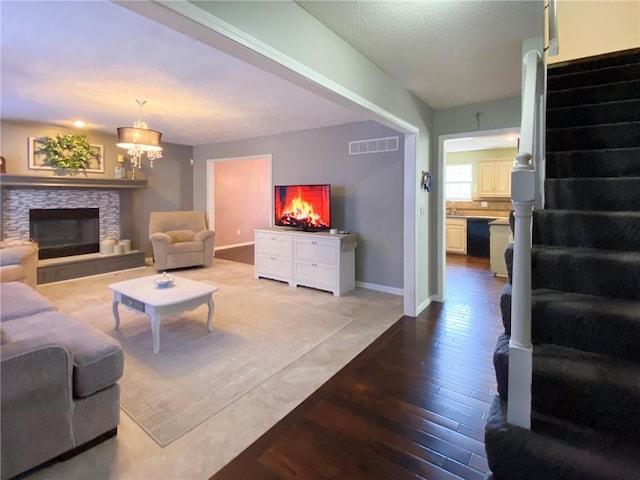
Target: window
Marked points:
458	179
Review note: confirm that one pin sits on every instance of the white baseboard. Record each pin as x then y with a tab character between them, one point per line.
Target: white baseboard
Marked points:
225	247
425	304
380	288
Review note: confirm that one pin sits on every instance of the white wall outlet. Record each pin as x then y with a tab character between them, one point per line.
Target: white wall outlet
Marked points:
238	231
192	162
484	204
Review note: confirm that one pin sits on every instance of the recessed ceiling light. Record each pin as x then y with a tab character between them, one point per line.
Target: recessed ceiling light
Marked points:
79	124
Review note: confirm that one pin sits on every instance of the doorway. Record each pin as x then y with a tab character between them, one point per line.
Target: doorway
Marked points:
468	208
238	202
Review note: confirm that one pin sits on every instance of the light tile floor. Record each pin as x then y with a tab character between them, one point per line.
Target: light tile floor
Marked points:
132	454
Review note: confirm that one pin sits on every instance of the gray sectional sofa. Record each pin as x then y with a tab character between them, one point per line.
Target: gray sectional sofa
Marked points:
18	262
58	383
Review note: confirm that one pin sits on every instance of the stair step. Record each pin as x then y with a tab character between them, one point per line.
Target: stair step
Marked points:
508	258
597	76
615	135
610	92
596	114
623	57
590	389
604	230
584	270
594	324
554	449
593	163
602	194
585	278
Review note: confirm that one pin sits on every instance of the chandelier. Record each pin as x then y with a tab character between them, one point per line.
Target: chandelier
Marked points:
140	140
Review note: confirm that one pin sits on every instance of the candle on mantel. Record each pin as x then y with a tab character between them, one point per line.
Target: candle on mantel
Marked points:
119	170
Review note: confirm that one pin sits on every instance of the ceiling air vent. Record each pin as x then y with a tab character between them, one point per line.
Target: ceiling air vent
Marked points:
374	145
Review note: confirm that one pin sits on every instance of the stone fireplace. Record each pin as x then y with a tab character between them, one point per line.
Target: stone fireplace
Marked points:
30	203
17	203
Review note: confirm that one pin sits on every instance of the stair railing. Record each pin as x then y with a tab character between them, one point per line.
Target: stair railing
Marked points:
523	186
552	15
523	196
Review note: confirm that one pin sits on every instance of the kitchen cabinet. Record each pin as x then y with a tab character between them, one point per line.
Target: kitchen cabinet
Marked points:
456	235
494	178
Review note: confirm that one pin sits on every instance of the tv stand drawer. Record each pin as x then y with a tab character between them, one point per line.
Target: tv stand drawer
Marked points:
316	275
273	266
274	244
316	250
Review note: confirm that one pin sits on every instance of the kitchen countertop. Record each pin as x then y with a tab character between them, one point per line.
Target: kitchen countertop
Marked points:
500	221
480	217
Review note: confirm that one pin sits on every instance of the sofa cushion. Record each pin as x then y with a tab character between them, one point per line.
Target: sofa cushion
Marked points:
19	300
14	253
187	247
178	236
177	220
11	273
97	358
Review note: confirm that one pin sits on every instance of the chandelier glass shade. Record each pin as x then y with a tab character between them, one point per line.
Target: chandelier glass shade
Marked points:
139	140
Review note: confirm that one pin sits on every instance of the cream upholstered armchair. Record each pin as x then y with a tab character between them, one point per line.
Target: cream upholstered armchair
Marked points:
180	239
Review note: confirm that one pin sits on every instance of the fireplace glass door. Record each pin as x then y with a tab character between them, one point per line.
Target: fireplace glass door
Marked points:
62	232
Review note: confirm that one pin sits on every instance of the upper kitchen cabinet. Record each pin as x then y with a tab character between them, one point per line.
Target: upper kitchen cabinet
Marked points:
494	178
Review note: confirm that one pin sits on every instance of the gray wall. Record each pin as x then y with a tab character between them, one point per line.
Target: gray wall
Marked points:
366	190
260	33
495	115
169	187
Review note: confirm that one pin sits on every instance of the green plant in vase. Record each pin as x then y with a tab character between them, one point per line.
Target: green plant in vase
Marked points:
67	152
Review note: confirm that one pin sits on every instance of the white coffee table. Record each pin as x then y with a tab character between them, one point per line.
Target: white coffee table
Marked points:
142	296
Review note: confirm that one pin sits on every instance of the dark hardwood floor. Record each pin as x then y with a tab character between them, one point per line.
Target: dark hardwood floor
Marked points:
242	254
410	406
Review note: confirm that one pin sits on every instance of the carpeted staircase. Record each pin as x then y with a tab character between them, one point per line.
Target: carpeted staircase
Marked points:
586	287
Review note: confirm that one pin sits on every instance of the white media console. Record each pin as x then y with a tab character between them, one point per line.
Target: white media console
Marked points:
314	259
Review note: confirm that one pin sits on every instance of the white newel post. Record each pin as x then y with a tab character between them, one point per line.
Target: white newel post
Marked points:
520	349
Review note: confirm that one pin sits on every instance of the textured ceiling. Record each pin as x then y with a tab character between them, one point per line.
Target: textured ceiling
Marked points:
448	53
92	60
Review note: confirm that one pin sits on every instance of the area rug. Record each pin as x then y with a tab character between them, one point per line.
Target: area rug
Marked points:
198	373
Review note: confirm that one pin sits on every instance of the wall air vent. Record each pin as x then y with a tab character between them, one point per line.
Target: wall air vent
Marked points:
374	145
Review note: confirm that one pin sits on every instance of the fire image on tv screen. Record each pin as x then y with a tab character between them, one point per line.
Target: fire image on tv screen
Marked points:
307	207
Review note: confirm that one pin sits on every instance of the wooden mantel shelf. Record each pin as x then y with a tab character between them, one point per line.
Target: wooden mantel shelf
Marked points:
68	182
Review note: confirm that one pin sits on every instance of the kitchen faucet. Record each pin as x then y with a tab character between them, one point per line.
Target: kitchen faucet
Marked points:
453	208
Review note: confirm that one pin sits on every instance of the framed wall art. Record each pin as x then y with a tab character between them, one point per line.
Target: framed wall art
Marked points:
37	157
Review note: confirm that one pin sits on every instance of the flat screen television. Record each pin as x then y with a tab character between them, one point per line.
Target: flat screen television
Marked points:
307	207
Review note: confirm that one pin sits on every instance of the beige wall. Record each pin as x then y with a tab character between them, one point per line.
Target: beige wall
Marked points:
587	28
15	139
242	196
